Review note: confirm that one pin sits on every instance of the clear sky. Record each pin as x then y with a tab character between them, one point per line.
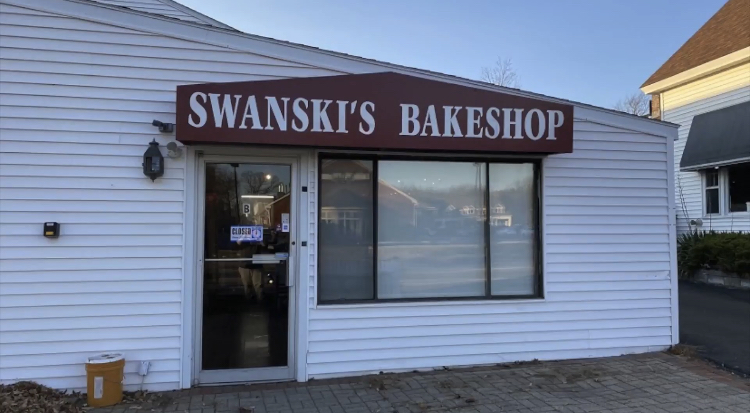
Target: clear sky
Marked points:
593	51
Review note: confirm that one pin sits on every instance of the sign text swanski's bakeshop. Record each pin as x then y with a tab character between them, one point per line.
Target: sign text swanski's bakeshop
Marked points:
371	111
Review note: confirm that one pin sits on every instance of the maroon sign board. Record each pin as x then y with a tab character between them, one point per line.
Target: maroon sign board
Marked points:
387	111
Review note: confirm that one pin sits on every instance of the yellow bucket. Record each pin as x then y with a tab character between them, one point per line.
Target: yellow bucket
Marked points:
104	376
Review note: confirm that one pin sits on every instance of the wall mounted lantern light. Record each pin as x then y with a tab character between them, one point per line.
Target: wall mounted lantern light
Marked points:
153	161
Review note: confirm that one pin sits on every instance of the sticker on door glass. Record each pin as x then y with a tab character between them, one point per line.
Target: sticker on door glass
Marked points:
248	233
284	222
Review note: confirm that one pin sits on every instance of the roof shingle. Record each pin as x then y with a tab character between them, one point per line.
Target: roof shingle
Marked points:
725	32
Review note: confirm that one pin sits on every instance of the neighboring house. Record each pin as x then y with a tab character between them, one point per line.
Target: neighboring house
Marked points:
705	88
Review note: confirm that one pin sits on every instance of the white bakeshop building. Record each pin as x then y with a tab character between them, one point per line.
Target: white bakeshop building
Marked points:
232	208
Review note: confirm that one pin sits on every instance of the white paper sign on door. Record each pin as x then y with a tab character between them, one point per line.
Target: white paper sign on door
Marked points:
284	222
247	233
246	208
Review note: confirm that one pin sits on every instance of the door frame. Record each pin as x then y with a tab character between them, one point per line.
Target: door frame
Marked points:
192	308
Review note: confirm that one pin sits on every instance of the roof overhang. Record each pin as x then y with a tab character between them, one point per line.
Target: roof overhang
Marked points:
375	111
716	65
718	138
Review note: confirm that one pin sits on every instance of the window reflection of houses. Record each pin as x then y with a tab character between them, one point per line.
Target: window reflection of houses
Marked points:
471	211
468	210
346	215
346	212
499	218
347	220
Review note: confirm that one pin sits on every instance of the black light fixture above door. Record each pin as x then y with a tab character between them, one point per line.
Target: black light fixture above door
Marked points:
153	161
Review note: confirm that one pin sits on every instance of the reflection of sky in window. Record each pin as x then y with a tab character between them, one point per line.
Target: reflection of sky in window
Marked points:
253	179
405	174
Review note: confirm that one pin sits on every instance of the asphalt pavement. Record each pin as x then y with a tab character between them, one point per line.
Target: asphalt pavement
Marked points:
717	321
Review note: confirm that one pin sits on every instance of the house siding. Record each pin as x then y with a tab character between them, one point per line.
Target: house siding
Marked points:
680	105
606	275
77	99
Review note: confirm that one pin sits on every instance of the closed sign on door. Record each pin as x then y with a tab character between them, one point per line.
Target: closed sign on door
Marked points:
248	233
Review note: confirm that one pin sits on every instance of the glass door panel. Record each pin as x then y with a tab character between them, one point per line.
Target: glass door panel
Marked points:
245	275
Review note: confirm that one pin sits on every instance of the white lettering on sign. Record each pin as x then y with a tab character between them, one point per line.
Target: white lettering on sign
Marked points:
473	118
528	124
492	115
273	107
554	117
451	123
508	122
224	109
409	122
251	112
301	122
320	116
368	118
430	120
313	115
481	123
198	109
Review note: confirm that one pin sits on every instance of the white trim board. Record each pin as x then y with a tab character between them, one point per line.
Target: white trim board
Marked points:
343	63
672	205
708	68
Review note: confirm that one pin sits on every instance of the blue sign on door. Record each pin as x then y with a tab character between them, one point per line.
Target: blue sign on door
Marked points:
249	233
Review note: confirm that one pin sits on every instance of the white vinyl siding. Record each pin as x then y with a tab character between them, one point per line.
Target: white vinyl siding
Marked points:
76	102
680	105
607	277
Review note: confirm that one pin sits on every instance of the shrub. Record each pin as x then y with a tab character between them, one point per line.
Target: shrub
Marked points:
725	251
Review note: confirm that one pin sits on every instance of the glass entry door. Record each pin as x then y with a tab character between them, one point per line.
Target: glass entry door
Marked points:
246	272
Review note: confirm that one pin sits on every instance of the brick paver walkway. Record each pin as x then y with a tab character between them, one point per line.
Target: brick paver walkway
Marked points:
654	382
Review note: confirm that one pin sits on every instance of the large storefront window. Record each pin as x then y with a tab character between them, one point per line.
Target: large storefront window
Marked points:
403	229
431	229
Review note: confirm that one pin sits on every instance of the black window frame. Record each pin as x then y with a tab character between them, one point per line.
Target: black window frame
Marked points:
539	292
729	169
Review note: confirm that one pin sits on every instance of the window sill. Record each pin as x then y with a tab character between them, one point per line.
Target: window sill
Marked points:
727	215
425	303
